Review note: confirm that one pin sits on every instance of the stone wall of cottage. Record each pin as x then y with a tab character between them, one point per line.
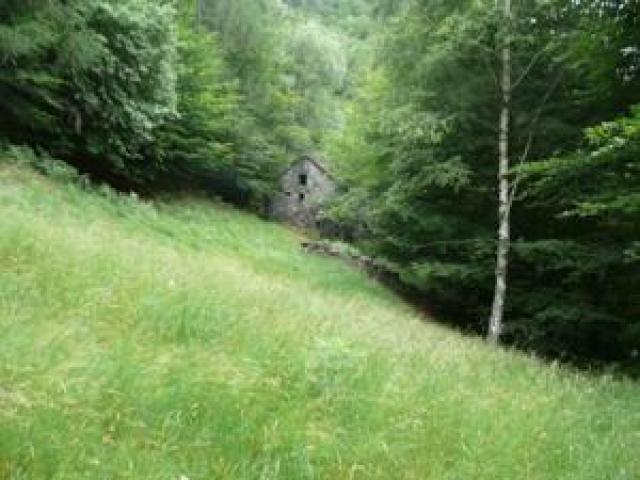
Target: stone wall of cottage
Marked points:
303	189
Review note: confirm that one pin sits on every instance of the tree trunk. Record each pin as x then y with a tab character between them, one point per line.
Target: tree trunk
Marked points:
199	8
504	204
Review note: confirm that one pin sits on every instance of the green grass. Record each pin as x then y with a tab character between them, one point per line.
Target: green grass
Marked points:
187	340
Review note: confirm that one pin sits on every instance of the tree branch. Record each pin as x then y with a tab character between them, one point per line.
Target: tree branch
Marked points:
492	71
529	67
532	131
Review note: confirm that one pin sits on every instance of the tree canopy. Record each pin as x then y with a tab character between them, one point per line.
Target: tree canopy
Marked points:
404	99
419	157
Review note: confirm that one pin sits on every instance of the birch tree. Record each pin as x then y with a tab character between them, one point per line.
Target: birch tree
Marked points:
504	204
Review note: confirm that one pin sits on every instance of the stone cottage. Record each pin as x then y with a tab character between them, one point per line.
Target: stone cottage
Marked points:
304	187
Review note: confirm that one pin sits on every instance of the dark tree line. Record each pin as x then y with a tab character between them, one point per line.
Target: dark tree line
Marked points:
421	159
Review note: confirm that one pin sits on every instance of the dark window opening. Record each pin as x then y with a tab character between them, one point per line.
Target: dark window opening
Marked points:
288	194
303	179
301	197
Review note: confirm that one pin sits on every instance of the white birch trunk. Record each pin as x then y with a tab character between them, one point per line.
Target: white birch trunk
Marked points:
504	204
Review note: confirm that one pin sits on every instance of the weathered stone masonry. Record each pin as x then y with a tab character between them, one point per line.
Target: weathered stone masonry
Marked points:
303	189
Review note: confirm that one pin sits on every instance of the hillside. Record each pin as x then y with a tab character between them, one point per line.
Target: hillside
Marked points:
186	340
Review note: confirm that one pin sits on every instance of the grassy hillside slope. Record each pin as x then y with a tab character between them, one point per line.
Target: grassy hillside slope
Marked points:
184	340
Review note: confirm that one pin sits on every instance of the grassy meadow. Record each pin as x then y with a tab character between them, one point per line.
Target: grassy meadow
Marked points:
185	340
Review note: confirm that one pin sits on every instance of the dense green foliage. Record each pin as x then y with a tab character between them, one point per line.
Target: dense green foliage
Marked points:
147	95
220	95
420	156
89	81
589	246
153	340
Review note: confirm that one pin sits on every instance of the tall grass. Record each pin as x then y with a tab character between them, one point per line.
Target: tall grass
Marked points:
184	340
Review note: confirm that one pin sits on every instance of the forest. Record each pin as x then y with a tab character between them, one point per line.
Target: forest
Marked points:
486	151
464	304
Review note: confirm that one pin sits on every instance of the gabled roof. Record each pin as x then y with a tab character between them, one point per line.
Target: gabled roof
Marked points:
312	160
